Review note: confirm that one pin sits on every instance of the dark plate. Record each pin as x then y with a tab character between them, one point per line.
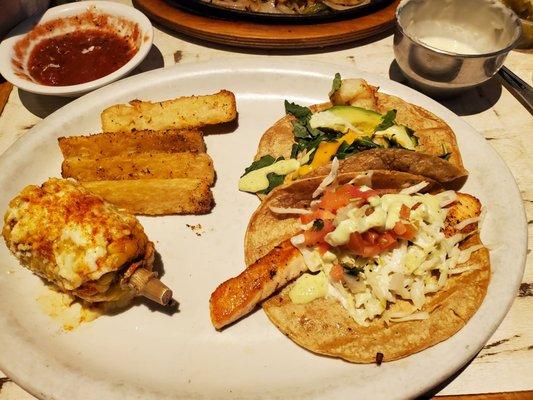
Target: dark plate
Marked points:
203	8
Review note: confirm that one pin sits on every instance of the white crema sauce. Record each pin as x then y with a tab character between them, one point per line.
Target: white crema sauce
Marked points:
450	44
462	27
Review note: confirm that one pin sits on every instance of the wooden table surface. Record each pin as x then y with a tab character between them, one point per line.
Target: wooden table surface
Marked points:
506	362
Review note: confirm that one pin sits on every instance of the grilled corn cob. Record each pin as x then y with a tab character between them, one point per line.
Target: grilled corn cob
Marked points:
77	241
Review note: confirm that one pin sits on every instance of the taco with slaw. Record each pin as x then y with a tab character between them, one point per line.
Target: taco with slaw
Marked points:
363	128
356	265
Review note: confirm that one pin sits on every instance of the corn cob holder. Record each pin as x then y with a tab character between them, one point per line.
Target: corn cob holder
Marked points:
146	284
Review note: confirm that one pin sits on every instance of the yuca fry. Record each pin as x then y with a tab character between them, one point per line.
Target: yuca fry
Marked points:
141	166
109	144
156	196
183	112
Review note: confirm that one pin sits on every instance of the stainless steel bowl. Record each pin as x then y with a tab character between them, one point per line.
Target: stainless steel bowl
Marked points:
446	46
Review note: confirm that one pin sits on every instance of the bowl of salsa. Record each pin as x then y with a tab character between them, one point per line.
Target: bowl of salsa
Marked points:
75	48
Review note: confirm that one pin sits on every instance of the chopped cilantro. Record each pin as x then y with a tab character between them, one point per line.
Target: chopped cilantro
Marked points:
331	135
387	121
362	143
273	181
336	85
354	271
273	178
300	112
366	142
295	150
306	137
300	131
318	224
341	151
264	161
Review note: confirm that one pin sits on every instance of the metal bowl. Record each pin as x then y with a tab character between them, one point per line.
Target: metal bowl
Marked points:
446	46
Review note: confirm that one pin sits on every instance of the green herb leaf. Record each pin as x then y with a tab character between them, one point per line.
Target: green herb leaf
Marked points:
365	143
300	112
273	181
354	271
315	142
342	151
264	161
360	144
387	121
336	85
318	224
331	134
314	132
295	150
300	131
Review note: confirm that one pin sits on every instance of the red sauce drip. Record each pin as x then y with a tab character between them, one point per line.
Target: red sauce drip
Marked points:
78	57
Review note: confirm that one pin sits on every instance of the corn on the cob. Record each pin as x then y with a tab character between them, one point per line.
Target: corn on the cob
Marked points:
77	241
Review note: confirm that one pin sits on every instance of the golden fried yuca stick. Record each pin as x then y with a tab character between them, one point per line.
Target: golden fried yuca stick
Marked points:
141	166
89	249
109	144
156	196
183	112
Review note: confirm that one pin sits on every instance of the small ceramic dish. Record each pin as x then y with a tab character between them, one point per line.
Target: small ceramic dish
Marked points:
121	20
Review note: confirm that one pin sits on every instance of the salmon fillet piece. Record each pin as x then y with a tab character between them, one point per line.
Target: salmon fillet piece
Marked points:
238	296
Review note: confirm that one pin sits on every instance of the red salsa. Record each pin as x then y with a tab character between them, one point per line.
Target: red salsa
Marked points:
78	57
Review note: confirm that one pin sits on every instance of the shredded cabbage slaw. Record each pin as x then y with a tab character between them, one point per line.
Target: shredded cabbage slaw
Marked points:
372	287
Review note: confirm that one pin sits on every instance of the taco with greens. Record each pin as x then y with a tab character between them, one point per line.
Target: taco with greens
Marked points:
364	129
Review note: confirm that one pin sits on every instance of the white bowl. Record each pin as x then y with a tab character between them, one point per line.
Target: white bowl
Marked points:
13	74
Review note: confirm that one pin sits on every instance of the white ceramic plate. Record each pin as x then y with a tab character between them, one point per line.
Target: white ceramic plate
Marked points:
146	354
68	10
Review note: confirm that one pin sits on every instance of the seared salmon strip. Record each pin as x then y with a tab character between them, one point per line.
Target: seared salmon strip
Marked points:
239	295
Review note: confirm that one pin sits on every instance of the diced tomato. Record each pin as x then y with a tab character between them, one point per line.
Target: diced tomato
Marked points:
409	231
371	243
400	228
317	214
355	191
361	247
405	212
387	241
333	200
322	247
336	273
371	236
314	236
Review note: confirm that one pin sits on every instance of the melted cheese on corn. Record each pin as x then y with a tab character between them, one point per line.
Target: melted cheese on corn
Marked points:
69	236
